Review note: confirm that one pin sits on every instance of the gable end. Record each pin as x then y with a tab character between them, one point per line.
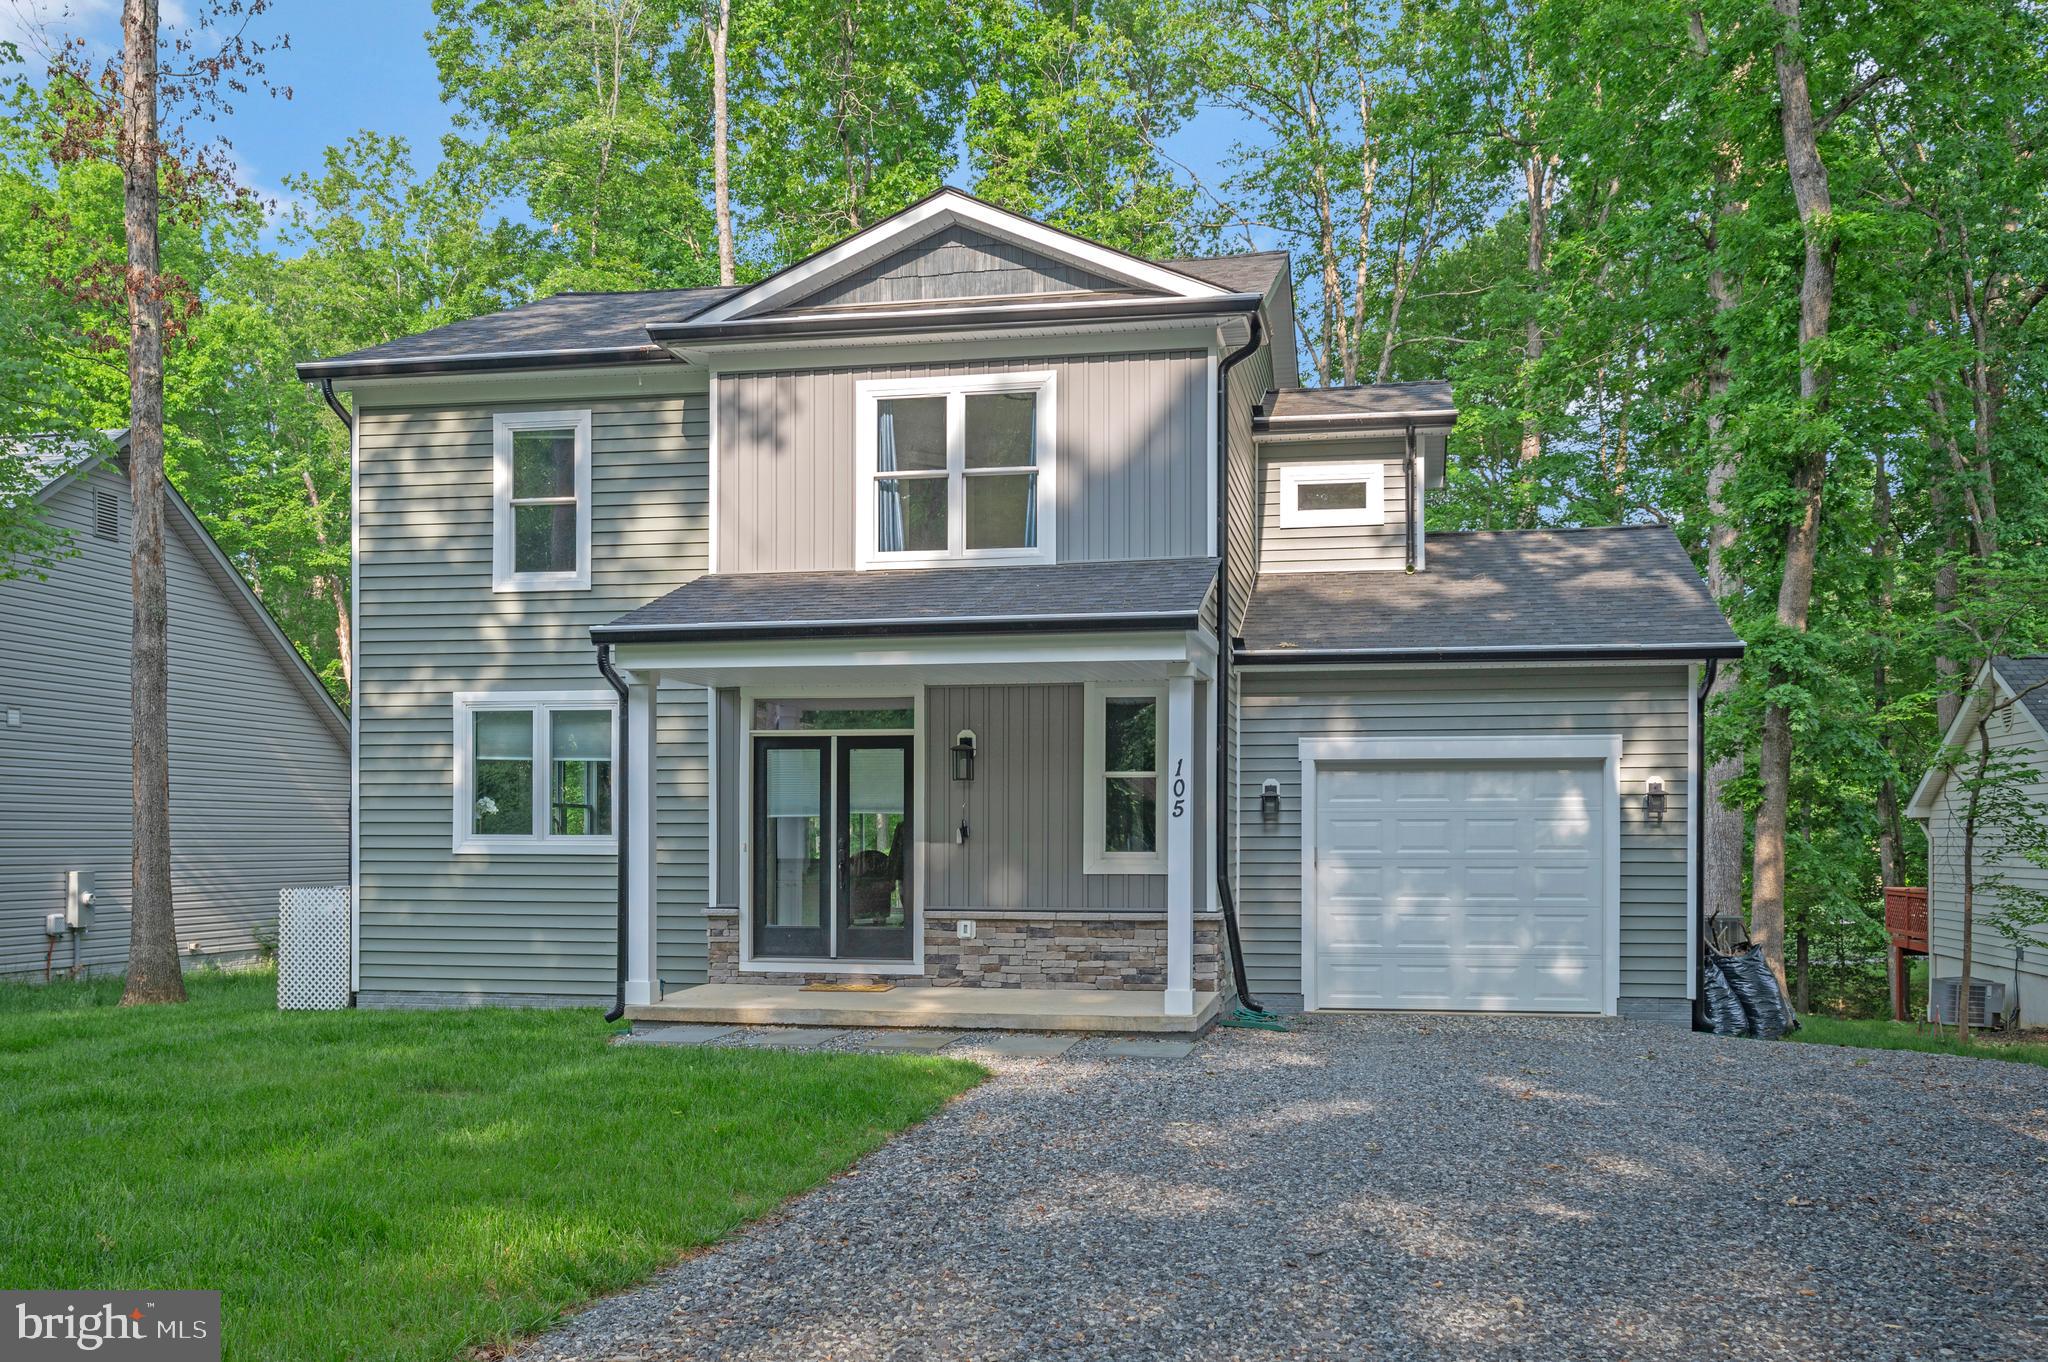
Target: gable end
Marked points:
954	263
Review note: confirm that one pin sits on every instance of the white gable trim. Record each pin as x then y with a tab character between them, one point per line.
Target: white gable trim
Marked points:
1921	806
920	220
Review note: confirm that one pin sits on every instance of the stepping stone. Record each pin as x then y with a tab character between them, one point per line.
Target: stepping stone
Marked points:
793	1038
1149	1049
915	1042
1023	1043
681	1034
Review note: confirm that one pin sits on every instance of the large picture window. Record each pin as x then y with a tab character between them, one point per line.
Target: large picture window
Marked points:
540	495
956	469
534	772
1125	831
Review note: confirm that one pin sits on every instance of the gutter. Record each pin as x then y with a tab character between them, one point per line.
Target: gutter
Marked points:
1699	841
804	629
623	819
348	422
1225	776
1279	427
1628	652
324	370
1008	317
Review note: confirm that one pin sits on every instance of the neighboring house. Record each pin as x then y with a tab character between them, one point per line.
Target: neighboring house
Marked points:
966	480
259	751
2019	732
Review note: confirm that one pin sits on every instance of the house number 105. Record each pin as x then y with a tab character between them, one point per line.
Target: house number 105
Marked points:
1180	788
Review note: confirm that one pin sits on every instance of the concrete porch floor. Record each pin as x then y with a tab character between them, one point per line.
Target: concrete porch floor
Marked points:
1115	1011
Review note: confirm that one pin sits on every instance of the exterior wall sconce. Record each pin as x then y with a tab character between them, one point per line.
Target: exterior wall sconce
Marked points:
1269	801
963	755
1653	800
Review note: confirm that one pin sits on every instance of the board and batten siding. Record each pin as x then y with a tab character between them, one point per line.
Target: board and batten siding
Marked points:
1130	443
1333	548
1650	708
1023	807
1991	953
259	764
956	263
436	926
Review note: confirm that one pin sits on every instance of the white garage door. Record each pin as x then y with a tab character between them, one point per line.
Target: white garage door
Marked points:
1463	887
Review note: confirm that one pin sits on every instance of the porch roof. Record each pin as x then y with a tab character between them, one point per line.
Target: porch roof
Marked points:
1149	594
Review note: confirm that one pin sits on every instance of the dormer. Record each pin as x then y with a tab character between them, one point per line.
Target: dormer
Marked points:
1342	473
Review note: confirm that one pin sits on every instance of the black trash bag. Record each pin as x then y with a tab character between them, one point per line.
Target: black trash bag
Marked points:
1725	1016
1765	1013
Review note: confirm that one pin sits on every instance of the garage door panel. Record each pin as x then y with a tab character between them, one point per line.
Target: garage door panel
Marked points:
1470	887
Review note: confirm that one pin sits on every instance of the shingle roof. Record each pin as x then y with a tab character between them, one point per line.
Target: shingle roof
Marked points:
588	326
1250	272
1364	401
2022	672
1506	593
593	327
1154	593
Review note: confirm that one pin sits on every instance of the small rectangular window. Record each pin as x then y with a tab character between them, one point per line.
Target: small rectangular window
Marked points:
1121	800
534	772
106	515
541	496
1314	494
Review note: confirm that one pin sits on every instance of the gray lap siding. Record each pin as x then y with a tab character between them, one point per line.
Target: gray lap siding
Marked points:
429	626
1650	708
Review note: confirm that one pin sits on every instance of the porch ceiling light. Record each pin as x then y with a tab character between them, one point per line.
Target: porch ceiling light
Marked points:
963	755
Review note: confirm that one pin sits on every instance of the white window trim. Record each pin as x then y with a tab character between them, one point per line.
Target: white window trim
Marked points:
1294	476
956	389
538	703
1094	859
503	575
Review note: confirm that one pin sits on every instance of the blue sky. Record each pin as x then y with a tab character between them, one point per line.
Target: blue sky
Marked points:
352	64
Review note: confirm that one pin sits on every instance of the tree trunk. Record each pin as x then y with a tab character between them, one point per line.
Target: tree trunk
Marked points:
1802	537
1970	815
154	975
718	23
330	587
1802	993
1889	829
1536	183
1948	700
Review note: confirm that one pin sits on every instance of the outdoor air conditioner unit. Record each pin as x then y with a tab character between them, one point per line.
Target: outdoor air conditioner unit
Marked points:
1987	1001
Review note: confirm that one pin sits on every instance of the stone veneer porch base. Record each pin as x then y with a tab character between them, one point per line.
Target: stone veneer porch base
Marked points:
1009	949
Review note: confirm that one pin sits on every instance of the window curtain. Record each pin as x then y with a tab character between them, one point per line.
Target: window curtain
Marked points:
889	529
1031	482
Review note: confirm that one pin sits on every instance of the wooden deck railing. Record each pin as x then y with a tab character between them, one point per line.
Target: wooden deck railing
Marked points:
1905	916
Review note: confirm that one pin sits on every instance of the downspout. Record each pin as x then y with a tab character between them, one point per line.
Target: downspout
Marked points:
1699	840
1225	642
624	820
327	391
1408	490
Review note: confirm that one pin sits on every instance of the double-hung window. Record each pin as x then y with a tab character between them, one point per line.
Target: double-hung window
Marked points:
540	501
955	469
1125	831
533	772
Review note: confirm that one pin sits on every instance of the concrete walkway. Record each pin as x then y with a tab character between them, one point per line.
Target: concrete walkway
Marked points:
1405	1188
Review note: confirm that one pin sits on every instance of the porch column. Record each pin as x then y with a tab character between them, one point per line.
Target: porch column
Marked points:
637	752
1179	795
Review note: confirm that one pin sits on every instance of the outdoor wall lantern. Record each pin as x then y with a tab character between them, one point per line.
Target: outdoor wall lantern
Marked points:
1269	801
963	755
1653	800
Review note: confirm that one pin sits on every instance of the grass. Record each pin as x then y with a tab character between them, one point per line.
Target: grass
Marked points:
1891	1035
398	1185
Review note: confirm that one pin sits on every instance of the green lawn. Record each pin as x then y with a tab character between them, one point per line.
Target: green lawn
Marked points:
1891	1035
398	1185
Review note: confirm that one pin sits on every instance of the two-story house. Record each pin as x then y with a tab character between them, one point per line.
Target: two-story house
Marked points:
976	609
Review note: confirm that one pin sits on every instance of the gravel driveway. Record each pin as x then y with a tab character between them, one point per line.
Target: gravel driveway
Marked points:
1406	1188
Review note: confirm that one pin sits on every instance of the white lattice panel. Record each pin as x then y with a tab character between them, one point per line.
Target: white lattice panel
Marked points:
312	948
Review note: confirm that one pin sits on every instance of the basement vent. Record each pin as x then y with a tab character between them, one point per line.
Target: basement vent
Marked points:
1987	1001
106	515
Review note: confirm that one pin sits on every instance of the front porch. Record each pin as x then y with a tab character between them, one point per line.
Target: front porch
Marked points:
1109	1011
